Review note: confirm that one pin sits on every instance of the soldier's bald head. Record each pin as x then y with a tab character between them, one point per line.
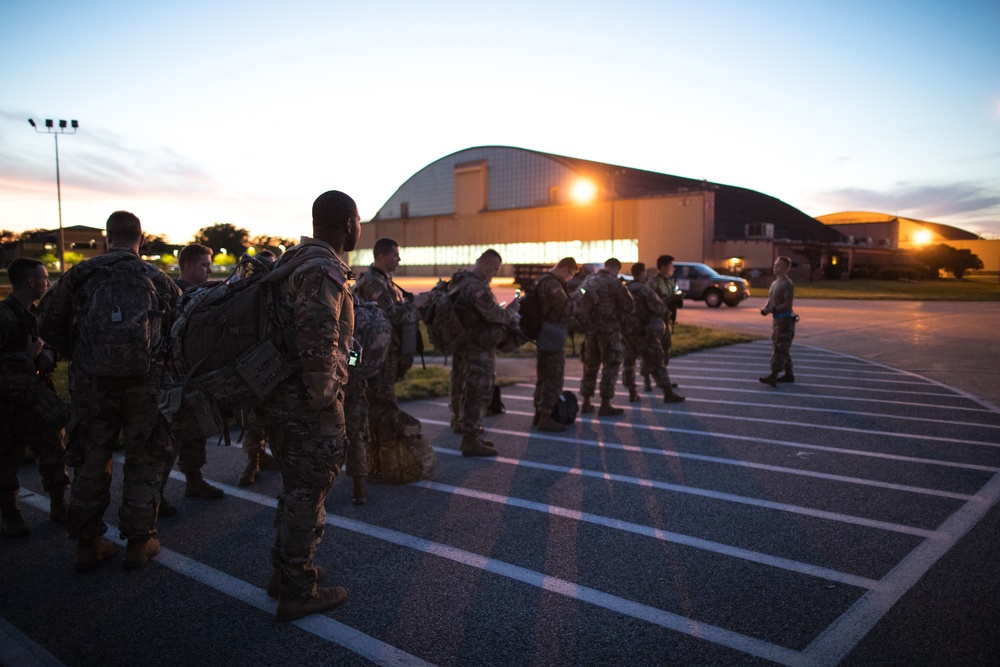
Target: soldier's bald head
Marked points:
335	219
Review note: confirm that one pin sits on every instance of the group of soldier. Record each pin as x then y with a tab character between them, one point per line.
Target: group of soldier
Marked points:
317	421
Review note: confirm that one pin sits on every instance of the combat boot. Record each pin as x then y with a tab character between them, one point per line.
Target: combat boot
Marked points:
58	509
771	379
249	474
587	406
608	410
325	599
787	377
359	495
166	509
274	584
670	397
549	425
646	384
197	487
473	445
92	551
633	395
140	551
13	522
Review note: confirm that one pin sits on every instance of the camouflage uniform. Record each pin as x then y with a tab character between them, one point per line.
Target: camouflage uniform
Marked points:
642	336
384	417
606	304
356	412
782	292
31	415
474	367
304	415
550	367
106	407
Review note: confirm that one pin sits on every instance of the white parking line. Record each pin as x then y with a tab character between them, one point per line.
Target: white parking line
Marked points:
16	648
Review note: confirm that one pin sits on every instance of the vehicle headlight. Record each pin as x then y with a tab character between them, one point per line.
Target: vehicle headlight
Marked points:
732	287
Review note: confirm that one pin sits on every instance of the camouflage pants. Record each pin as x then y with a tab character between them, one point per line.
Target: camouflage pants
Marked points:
309	446
782	333
601	349
472	375
103	409
19	431
189	454
356	412
382	405
650	351
550	369
255	437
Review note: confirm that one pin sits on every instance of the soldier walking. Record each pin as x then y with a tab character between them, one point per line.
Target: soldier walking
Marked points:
606	304
550	369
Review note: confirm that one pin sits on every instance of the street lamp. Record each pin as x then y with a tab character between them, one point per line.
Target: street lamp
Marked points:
50	128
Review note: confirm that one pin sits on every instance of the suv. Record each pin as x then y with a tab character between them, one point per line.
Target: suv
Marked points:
701	283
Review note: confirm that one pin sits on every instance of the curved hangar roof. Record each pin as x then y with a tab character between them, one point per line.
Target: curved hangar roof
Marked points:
521	178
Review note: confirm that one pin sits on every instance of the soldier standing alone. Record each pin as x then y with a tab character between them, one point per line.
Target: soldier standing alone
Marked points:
779	307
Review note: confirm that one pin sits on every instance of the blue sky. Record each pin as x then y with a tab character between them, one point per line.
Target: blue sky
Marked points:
193	113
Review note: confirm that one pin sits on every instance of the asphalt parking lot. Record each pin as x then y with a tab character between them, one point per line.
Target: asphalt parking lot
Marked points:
849	518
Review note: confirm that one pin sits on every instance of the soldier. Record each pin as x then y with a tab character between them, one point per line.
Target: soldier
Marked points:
606	304
304	415
195	263
664	284
779	306
383	413
485	325
30	411
643	337
111	315
557	312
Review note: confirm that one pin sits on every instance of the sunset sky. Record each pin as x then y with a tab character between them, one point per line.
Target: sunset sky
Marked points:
193	113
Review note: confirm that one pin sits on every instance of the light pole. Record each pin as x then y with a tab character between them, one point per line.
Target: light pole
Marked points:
50	128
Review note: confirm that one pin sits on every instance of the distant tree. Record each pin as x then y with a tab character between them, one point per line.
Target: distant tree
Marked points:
34	233
72	258
945	257
7	236
157	244
272	243
50	261
224	235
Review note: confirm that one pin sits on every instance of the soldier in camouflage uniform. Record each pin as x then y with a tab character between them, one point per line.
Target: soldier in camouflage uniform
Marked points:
664	283
557	312
304	415
400	307
779	307
30	412
120	400
606	305
485	325
643	336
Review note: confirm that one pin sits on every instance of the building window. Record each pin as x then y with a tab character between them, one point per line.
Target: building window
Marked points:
404	210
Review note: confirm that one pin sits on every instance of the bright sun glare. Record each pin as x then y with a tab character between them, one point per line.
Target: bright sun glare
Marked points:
922	237
583	191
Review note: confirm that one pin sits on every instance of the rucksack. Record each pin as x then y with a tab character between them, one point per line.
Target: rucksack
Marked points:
403	457
117	318
531	312
440	314
566	408
372	339
227	349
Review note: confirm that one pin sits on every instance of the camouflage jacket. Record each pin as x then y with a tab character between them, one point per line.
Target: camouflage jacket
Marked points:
557	308
484	319
649	309
667	290
607	302
56	310
16	324
375	285
317	309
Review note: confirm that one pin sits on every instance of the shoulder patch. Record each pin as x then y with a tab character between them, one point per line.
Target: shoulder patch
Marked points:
337	276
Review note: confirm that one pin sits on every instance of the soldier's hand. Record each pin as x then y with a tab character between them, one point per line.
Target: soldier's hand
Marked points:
46	361
35	346
763	311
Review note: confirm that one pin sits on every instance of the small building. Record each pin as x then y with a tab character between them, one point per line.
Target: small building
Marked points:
85	241
536	208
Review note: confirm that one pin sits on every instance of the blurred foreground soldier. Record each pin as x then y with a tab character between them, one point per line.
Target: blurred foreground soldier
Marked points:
643	337
664	283
779	307
474	364
31	413
606	304
304	415
195	263
111	316
550	367
385	419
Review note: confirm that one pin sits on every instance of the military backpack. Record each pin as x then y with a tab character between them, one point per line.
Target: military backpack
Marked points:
372	339
440	314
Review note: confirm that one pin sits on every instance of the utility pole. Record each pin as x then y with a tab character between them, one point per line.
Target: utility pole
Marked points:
50	128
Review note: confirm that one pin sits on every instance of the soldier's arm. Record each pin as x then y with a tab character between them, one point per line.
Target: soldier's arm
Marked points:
55	311
656	304
317	302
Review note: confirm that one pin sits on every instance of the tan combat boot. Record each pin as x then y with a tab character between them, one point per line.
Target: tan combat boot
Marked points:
549	425
670	397
92	551
587	406
249	474
325	599
633	395
473	445
197	487
140	551
274	585
608	410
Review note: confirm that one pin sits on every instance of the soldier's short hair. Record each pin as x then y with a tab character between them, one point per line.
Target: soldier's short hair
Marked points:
785	260
124	228
331	210
568	263
384	246
191	253
663	260
637	269
267	256
21	270
490	253
613	264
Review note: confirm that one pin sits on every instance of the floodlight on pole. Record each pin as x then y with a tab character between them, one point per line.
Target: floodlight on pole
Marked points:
50	128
